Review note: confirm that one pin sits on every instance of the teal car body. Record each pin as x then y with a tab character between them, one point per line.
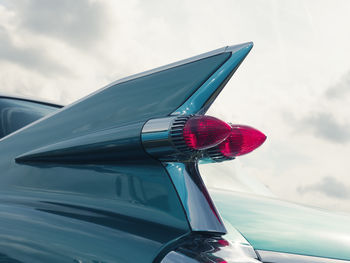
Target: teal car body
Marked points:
271	224
102	180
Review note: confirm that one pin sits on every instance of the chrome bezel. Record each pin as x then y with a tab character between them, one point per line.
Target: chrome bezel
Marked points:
163	139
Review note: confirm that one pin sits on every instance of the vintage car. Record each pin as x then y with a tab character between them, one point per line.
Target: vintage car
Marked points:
114	177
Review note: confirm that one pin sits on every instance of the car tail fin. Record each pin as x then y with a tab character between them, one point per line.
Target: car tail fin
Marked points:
100	141
106	125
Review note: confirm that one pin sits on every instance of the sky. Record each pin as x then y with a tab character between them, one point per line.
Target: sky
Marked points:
294	85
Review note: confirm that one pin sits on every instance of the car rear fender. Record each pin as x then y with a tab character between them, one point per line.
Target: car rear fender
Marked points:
86	162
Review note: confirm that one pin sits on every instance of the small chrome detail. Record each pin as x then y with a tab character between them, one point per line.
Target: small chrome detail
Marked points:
176	134
163	138
200	249
155	137
215	155
157	125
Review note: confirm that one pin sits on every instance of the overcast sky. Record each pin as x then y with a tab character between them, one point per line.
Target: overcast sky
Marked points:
294	85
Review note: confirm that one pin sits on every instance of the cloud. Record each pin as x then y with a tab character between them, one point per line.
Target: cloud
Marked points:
329	186
325	125
78	22
340	89
31	58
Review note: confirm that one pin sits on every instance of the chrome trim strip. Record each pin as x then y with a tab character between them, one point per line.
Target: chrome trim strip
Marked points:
157	125
279	257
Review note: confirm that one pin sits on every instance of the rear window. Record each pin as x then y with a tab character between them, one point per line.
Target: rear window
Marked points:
16	113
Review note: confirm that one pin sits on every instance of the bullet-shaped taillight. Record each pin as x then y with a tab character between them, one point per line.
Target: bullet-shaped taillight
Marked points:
203	132
242	140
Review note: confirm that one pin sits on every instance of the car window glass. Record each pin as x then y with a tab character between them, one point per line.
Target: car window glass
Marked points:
15	114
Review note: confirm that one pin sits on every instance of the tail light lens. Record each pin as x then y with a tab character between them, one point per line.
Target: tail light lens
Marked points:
242	140
203	132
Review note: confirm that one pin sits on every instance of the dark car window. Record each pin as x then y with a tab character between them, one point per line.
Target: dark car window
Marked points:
16	113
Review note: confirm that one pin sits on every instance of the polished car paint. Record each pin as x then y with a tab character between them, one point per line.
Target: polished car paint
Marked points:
275	225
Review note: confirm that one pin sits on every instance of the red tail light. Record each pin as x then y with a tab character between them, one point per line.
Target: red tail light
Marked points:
242	140
203	132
